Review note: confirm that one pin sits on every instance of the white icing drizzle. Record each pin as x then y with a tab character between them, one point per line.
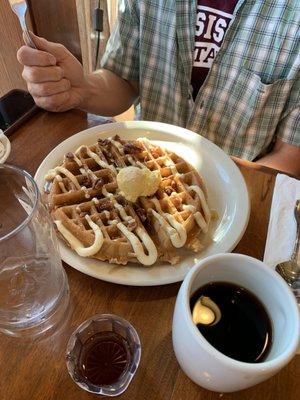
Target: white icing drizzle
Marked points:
203	202
76	159
197	216
117	206
76	244
92	173
118	145
201	221
181	232
134	241
141	165
106	213
77	151
53	172
169	163
95	200
62	186
131	160
157	205
189	207
145	259
60	183
96	158
122	212
175	230
88	171
163	158
106	193
86	192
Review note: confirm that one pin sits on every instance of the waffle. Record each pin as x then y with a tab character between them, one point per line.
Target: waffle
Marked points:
96	221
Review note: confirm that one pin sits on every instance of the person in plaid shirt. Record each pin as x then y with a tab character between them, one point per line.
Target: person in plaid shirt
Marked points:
229	70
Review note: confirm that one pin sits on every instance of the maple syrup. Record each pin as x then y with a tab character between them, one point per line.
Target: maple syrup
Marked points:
104	358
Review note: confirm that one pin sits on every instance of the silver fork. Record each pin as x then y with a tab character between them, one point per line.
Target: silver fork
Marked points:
19	7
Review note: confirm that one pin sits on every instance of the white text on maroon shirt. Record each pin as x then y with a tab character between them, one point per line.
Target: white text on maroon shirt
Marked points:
211	26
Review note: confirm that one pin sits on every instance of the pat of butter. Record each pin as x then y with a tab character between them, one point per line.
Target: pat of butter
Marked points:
135	182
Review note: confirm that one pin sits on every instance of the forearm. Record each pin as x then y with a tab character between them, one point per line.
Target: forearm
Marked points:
284	157
107	94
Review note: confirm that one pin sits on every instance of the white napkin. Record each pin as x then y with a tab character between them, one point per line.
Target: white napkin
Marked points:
282	226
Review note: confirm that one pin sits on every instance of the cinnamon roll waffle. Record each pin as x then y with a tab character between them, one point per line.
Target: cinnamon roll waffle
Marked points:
95	220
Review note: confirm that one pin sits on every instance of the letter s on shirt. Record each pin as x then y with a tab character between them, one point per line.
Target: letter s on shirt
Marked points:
201	18
220	27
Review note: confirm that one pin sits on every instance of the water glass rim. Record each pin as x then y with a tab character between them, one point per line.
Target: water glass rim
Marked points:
25	174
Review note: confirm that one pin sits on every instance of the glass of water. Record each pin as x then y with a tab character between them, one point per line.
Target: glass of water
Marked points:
34	292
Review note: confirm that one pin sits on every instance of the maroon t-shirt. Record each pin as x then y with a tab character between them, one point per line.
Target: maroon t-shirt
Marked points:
213	18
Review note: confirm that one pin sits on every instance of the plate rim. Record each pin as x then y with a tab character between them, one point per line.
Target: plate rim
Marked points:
151	126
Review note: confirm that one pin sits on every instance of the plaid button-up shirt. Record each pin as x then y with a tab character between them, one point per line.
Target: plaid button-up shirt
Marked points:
252	92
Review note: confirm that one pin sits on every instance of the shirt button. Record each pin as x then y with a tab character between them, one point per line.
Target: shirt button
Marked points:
189	96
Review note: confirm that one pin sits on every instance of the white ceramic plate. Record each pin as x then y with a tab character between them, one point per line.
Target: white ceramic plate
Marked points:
227	193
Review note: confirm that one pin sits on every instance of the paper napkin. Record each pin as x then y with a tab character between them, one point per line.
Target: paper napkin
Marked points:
282	225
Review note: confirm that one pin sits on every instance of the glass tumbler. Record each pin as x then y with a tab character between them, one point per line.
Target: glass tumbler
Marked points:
103	355
34	292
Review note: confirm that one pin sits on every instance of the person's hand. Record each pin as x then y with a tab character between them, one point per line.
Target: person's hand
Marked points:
54	76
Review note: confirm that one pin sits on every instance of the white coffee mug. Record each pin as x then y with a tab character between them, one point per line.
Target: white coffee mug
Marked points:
202	362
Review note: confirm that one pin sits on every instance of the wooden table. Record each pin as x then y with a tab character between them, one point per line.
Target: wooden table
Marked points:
37	371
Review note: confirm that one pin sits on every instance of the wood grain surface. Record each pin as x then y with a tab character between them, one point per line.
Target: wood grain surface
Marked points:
10	41
37	371
88	37
56	20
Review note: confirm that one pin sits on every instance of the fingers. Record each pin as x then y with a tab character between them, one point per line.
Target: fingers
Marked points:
48	88
42	74
56	49
47	53
28	56
55	103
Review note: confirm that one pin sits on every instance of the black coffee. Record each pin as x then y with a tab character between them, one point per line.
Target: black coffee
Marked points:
232	320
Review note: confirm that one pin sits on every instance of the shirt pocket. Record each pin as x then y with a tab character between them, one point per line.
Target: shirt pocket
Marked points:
243	112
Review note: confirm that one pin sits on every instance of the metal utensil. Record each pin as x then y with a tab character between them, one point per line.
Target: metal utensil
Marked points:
290	270
19	7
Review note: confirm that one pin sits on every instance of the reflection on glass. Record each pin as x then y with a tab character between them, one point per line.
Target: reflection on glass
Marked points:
33	285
